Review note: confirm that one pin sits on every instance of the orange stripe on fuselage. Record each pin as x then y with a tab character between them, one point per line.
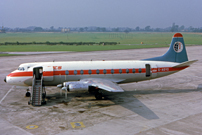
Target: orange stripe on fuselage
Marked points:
18	74
93	71
48	73
59	72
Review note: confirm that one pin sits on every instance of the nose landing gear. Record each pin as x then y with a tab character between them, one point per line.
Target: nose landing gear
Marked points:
28	94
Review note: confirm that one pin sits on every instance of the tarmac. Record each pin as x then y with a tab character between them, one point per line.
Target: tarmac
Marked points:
167	105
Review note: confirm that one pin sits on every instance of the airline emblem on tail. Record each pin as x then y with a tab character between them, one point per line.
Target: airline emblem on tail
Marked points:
178	47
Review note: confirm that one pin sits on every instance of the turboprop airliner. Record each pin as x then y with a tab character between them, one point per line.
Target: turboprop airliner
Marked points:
99	76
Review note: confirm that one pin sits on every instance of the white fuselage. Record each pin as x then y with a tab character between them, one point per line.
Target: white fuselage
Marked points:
55	73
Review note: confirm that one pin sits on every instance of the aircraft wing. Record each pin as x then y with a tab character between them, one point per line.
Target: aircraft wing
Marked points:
103	84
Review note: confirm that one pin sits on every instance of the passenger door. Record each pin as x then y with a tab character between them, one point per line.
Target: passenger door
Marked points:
151	71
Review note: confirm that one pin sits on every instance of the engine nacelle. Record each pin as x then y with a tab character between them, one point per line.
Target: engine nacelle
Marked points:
75	86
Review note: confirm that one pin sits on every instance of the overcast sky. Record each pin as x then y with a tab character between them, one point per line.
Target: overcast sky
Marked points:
102	13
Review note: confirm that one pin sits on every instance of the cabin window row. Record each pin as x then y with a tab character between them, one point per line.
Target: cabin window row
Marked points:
104	71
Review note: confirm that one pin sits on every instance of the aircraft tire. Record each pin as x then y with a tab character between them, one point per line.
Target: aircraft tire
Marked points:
43	103
91	90
28	94
98	96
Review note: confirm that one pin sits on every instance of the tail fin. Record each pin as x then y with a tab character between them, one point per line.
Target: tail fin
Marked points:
176	53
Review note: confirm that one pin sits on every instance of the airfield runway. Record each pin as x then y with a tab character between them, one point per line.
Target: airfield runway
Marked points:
168	105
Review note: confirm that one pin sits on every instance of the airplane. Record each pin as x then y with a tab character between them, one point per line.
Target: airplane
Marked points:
99	76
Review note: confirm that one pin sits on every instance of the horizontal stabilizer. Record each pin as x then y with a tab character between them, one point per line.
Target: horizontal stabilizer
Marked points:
184	64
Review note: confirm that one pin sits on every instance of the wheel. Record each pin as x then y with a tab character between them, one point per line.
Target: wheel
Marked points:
28	102
43	103
28	94
98	96
91	90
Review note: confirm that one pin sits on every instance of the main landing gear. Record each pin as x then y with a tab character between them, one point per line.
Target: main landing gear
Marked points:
96	91
98	95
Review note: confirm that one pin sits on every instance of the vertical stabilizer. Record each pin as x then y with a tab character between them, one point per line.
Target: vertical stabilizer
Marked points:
176	53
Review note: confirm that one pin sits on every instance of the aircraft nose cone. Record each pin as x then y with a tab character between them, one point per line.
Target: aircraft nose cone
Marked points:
5	79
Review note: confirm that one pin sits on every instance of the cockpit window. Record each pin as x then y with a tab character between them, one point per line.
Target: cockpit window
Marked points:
21	68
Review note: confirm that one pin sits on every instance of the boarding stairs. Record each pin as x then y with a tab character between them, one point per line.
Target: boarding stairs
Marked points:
37	90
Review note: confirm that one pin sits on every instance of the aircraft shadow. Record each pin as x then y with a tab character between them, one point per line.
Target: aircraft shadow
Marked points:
137	107
125	99
54	99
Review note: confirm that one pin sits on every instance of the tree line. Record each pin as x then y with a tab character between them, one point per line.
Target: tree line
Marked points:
59	43
173	28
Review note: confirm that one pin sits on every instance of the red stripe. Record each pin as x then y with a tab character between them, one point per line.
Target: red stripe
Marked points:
17	74
59	72
93	71
178	35
85	72
116	71
47	73
101	71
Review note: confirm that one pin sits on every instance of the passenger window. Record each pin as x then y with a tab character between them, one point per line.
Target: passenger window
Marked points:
120	71
75	72
127	71
133	70
97	71
81	72
112	71
104	71
67	72
89	71
140	70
